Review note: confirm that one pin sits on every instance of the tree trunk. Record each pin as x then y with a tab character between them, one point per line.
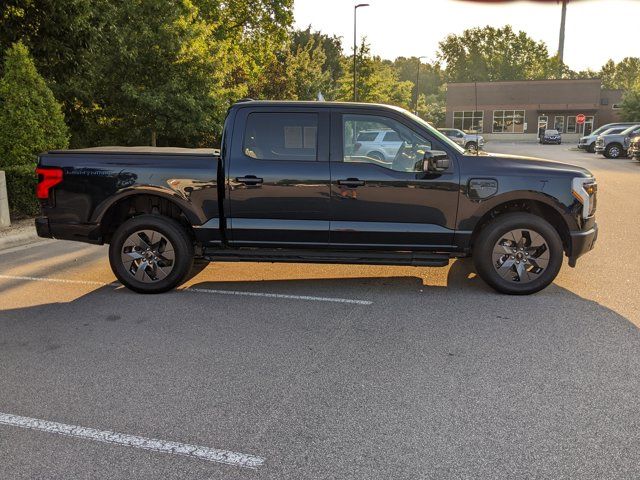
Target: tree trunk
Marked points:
154	138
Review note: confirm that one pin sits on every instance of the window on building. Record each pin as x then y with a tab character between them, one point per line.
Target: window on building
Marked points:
587	127
469	121
616	106
508	121
277	136
558	123
571	124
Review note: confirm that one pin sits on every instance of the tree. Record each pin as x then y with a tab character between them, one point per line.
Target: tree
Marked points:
622	75
332	49
161	75
31	120
377	81
631	104
494	54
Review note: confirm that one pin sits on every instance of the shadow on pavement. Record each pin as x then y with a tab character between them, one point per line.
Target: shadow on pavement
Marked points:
428	382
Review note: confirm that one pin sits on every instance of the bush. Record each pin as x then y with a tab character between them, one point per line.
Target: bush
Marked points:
21	189
31	120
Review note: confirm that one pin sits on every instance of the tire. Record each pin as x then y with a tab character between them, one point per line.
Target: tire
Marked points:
530	274
613	150
377	156
151	270
592	147
473	146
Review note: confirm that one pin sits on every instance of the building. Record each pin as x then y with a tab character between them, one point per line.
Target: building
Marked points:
516	110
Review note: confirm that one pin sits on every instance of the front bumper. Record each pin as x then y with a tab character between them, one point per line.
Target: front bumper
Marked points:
581	243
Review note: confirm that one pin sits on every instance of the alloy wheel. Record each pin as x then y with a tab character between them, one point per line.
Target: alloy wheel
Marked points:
521	255
148	256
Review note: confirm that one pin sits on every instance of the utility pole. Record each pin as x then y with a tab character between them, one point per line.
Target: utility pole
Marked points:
355	49
561	41
418	85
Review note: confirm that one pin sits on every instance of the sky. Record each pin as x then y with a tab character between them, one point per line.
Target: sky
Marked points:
596	30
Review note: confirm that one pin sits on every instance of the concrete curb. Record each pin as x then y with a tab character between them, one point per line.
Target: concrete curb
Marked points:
18	239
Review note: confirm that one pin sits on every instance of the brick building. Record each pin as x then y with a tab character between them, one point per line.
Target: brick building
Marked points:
514	110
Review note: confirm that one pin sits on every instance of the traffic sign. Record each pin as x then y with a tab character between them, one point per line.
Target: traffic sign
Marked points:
580	118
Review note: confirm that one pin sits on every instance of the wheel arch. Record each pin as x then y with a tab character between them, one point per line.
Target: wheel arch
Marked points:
534	206
143	201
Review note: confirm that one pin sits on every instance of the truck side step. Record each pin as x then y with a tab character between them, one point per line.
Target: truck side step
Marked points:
417	259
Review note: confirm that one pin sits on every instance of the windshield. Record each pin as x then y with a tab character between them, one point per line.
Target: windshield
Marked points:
551	132
439	135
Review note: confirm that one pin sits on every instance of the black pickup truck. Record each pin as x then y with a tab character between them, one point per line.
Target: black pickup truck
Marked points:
303	182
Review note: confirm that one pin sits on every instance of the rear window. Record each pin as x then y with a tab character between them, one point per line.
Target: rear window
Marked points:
367	136
392	137
281	136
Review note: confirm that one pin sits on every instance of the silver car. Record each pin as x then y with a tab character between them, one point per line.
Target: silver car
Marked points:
611	143
588	142
470	141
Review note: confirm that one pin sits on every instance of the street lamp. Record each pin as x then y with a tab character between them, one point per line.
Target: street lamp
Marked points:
418	84
355	48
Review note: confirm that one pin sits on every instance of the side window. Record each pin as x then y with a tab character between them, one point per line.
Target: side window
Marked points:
367	136
402	149
281	136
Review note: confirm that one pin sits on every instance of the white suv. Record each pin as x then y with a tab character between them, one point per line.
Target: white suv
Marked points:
379	144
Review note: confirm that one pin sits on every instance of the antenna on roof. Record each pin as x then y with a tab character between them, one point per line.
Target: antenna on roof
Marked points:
246	99
320	97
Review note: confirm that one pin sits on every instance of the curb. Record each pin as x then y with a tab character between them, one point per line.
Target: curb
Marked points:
18	239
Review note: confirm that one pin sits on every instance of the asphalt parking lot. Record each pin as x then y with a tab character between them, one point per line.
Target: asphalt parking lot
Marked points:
274	371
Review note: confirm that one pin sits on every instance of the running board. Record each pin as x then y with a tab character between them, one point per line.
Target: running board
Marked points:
416	259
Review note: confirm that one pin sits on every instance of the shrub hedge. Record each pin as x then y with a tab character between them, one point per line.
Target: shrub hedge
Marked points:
21	188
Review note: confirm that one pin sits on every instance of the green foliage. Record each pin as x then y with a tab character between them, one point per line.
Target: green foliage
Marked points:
21	188
31	120
623	75
631	104
332	49
377	81
494	54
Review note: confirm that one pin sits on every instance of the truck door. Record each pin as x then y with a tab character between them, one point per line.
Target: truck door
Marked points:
390	203
278	178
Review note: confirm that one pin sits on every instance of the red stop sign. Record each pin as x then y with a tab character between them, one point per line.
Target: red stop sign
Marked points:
580	118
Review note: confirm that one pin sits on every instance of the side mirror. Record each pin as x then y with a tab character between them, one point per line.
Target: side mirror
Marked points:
434	162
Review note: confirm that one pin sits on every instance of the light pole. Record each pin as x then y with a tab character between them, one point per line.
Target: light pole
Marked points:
561	39
355	48
418	84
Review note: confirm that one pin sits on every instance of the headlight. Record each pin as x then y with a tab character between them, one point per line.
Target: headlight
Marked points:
585	190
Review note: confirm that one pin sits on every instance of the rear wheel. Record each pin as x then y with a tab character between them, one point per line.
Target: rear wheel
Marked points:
518	253
592	147
151	254
473	146
377	156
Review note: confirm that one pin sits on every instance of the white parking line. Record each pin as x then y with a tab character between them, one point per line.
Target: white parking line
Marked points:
176	448
196	290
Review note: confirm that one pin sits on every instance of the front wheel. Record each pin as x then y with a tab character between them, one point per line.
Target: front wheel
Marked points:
471	146
518	253
592	148
151	254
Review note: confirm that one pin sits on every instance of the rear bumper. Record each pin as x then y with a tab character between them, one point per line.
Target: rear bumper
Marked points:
581	243
89	233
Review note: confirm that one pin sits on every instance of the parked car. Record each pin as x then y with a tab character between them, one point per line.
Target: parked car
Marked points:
287	186
551	136
378	144
588	142
634	147
611	143
470	141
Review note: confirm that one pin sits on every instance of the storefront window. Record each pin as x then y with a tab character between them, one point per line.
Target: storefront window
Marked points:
470	121
558	123
571	124
508	121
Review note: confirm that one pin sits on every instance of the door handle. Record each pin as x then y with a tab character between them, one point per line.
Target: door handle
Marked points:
249	180
351	182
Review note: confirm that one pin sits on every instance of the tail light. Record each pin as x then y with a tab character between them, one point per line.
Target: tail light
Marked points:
47	178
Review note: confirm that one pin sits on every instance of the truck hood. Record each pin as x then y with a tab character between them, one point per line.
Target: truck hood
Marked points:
534	164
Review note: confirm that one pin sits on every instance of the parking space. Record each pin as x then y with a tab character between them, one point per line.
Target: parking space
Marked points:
326	371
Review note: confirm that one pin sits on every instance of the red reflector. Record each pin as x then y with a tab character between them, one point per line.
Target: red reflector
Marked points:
47	178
